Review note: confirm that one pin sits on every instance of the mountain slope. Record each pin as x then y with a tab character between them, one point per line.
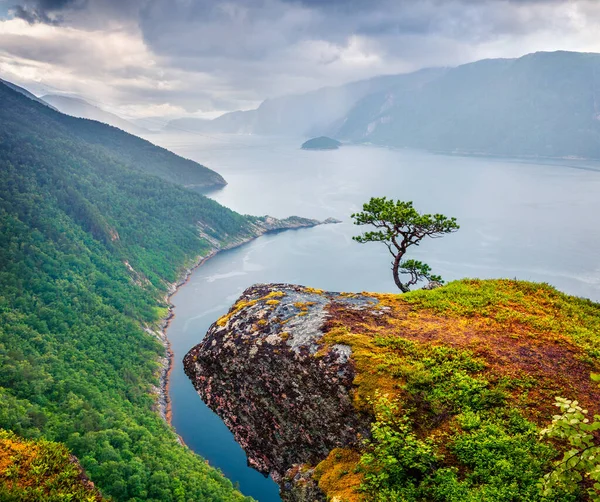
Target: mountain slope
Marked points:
89	246
25	92
123	148
310	114
543	104
82	109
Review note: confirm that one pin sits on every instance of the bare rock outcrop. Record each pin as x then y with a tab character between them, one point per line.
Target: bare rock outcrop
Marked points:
286	397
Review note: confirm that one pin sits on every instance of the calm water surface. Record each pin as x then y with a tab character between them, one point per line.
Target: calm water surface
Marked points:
518	219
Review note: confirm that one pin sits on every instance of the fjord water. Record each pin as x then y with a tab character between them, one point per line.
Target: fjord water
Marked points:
518	219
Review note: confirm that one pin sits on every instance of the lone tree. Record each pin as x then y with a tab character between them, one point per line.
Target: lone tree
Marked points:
399	226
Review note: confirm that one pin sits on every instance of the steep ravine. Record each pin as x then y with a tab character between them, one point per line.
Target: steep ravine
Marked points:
298	375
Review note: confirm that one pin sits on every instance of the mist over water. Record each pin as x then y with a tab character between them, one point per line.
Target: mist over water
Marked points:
535	222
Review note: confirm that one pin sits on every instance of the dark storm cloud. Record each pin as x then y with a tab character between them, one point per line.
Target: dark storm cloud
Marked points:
45	11
253	49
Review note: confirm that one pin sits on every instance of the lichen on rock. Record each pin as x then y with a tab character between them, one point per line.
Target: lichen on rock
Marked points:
262	367
296	374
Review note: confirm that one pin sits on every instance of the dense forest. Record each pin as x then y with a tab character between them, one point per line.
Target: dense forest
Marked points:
88	245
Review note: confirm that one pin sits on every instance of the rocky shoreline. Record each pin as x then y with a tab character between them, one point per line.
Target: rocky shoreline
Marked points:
260	226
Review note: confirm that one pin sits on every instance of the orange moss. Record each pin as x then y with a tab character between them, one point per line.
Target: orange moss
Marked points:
523	332
41	470
338	476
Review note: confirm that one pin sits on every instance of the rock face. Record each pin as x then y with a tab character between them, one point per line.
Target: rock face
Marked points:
461	378
263	367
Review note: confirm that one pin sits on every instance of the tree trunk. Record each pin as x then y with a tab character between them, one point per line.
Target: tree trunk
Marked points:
396	270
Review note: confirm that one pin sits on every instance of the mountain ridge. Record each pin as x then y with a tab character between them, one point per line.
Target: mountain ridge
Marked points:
135	152
80	108
540	105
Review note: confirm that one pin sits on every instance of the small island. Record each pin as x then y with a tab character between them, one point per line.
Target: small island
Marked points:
321	143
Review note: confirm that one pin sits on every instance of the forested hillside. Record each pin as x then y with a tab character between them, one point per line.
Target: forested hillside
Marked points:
88	244
30	123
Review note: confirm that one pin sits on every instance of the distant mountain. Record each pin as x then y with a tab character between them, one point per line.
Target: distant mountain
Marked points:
25	92
310	114
188	124
542	104
321	143
82	109
545	104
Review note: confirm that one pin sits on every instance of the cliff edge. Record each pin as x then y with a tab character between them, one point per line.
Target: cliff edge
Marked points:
431	395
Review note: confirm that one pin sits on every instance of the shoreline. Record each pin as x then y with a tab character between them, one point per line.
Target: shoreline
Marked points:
269	225
167	362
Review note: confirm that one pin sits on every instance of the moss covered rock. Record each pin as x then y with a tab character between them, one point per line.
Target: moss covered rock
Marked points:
431	395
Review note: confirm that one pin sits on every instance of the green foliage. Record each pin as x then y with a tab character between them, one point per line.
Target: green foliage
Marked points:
490	452
398	460
581	461
399	225
419	271
88	246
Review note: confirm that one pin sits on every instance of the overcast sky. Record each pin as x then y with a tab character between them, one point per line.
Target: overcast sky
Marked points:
202	57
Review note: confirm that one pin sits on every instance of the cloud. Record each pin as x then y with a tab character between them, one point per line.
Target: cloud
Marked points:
203	56
45	11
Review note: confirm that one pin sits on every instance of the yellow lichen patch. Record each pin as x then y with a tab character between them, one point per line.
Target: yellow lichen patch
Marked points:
234	310
41	470
242	304
303	305
262	322
274	294
314	291
338	476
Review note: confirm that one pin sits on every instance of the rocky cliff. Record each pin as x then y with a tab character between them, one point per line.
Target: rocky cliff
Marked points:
432	395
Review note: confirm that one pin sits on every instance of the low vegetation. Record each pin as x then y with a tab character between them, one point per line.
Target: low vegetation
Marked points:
41	471
461	381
